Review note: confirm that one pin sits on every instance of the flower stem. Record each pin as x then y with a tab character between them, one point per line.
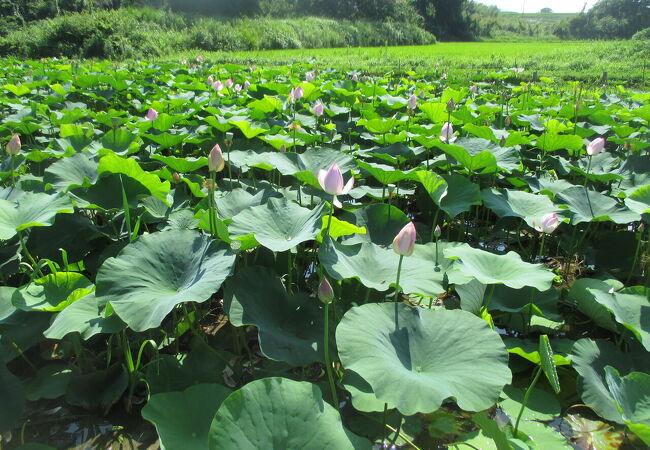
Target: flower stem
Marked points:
328	363
212	219
329	221
399	269
526	396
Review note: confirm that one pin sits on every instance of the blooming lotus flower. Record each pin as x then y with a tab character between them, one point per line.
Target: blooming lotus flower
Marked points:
151	115
215	160
548	224
331	180
412	102
447	133
405	240
229	83
218	86
325	292
596	146
237	87
13	146
309	76
318	109
296	94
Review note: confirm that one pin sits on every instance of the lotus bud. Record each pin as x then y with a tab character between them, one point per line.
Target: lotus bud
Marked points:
548	224
507	121
228	139
13	146
404	242
299	92
176	177
215	160
325	292
596	146
422	94
447	133
502	141
437	232
444	76
309	76
283	148
229	83
218	85
199	59
237	87
355	77
318	109
210	80
413	101
627	145
247	84
294	126
184	62
451	105
473	89
151	115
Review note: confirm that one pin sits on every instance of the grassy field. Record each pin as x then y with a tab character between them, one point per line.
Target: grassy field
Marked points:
585	61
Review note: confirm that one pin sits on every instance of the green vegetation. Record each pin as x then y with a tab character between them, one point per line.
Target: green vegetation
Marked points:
608	19
565	61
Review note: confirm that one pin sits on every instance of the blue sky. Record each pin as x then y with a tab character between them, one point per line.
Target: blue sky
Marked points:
535	5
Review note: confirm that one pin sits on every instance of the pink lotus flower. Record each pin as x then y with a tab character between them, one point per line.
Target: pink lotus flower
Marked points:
296	94
548	224
473	89
215	160
218	86
151	115
199	59
405	240
596	146
331	180
309	76
447	133
229	83
247	84
237	87
318	109
325	292
355	77
13	146
413	101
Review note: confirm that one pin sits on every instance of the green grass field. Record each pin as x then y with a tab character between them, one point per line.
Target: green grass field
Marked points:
585	61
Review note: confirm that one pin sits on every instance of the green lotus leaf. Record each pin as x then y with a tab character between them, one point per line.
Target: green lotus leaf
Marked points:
102	388
278	225
630	310
157	272
166	140
53	292
396	357
182	165
182	419
461	195
551	142
639	200
590	358
86	316
581	293
278	413
50	382
376	266
31	210
489	268
631	394
79	170
381	221
590	206
13	399
513	203
385	174
130	168
290	326
542	405
363	398
475	154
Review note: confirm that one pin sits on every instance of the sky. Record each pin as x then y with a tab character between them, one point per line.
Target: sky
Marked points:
529	6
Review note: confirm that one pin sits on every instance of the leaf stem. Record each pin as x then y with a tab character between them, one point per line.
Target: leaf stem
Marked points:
328	363
526	397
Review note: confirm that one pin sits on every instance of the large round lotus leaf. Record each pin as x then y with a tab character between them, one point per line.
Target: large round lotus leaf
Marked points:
631	395
376	267
278	225
382	223
53	292
282	414
31	210
290	327
433	355
511	203
489	268
590	358
87	316
591	206
183	419
160	270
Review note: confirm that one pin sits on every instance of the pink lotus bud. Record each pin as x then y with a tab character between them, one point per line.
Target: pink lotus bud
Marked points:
247	84
210	80
215	160
405	240
176	177
437	232
473	89
151	115
229	83
218	85
318	109
331	180
283	148
507	121
199	59
13	146
447	133
444	76
325	292
309	76
596	146
355	77
237	87
413	101
184	62
548	224
451	105
298	93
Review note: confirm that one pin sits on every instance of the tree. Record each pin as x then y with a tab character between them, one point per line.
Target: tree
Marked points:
546	11
608	19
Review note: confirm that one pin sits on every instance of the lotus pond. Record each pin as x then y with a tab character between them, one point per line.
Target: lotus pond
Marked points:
302	258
